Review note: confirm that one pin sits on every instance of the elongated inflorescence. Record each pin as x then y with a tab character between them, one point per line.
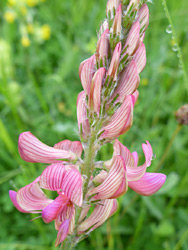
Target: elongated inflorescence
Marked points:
110	79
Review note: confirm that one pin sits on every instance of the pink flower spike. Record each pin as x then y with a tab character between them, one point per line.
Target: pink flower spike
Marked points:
50	212
86	72
72	186
103	47
128	82
140	57
95	92
111	6
52	177
33	150
113	181
75	146
63	232
133	39
112	71
32	199
82	114
149	184
13	195
143	17
121	121
116	27
100	214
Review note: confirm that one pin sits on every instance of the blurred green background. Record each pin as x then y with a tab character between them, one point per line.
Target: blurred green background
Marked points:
41	46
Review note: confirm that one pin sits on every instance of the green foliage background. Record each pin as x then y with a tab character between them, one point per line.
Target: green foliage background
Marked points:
38	91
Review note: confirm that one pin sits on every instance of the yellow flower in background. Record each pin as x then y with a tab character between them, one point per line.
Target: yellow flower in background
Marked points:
9	16
23	10
25	41
144	82
46	32
31	3
12	2
30	28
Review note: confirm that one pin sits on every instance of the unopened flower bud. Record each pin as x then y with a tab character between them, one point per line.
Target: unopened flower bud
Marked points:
116	27
112	71
143	17
102	48
182	115
111	7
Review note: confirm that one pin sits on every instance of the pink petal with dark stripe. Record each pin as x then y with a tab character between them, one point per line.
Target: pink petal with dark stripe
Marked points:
121	121
72	186
112	71
82	114
75	146
13	195
95	92
143	17
86	72
140	57
149	184
148	152
135	173
135	155
50	212
114	207
52	177
31	198
128	82
100	214
33	150
113	181
120	149
122	188
133	39
135	95
63	232
67	212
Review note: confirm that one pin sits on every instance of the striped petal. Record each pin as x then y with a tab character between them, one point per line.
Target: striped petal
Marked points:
148	152
100	178
120	149
72	186
140	57
100	214
31	198
86	72
128	82
67	212
75	146
63	232
114	207
121	121
50	212
143	17
52	177
135	155
13	195
135	173
111	6
149	184
112	71
116	27
103	47
133	39
113	181
135	95
33	150
95	92
122	188
82	115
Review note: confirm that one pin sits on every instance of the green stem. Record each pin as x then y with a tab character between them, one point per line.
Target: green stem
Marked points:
176	131
181	63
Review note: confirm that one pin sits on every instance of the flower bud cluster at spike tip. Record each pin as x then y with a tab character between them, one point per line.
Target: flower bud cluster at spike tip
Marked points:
110	79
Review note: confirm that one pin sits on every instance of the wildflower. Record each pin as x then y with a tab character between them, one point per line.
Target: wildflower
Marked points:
46	32
32	3
25	41
30	28
9	16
